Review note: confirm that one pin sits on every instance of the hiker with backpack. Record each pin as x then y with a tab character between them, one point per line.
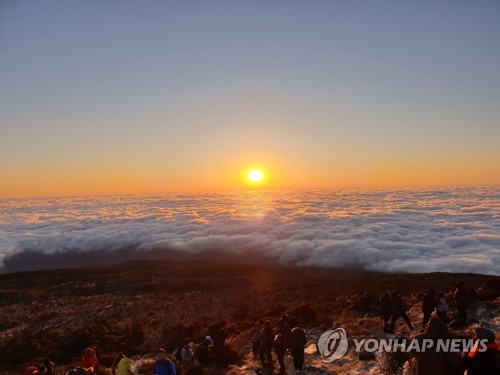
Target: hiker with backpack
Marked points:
125	366
280	347
256	343
428	306
398	311
184	355
219	335
203	352
286	332
266	344
163	365
299	341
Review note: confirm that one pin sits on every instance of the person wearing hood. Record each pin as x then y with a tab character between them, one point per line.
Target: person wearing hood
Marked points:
89	359
483	362
398	311
125	366
432	361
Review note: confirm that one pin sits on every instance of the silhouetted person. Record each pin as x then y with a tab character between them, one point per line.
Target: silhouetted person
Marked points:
398	311
432	361
428	306
280	346
297	348
219	335
484	362
202	353
256	343
462	299
266	344
286	332
385	301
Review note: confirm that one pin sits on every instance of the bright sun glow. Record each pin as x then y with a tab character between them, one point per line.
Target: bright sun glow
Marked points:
255	175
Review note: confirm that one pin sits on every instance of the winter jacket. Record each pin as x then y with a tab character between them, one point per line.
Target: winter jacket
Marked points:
429	303
462	296
124	366
89	358
436	362
165	367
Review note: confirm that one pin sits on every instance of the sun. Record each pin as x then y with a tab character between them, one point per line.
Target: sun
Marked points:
255	175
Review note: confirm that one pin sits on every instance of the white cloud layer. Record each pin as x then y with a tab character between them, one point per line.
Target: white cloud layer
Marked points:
456	230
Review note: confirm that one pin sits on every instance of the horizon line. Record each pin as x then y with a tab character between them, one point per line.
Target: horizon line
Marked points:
262	189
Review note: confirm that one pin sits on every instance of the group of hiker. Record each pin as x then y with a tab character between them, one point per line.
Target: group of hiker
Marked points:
394	308
436	301
185	356
476	361
435	326
288	336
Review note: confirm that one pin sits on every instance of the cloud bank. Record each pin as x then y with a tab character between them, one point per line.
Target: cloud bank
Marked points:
407	230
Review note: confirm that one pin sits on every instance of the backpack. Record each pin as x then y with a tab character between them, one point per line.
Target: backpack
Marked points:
442	305
166	364
178	353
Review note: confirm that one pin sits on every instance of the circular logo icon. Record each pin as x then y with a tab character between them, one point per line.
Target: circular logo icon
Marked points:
332	344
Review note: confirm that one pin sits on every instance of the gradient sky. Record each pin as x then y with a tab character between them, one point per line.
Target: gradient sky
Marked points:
100	97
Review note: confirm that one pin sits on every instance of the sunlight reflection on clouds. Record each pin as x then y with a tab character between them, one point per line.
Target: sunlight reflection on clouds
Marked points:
389	230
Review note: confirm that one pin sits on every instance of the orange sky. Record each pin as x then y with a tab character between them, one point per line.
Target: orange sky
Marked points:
188	97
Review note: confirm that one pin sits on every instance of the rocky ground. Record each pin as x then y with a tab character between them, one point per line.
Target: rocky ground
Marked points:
139	306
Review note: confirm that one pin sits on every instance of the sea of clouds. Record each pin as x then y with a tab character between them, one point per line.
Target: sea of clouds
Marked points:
407	230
